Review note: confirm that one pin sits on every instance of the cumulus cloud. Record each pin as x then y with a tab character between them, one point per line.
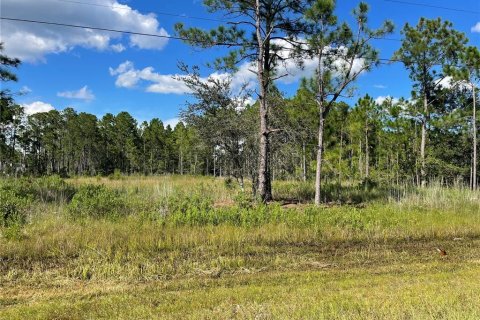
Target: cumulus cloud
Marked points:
449	83
37	107
382	99
82	94
127	76
31	42
476	28
117	47
446	82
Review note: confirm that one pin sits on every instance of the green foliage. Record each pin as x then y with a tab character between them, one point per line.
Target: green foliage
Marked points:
52	189
192	208
6	74
429	51
13	207
244	200
229	183
44	189
13	231
296	191
368	183
116	175
18	195
97	201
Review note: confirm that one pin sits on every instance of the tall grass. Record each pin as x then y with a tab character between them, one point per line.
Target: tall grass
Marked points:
143	220
184	232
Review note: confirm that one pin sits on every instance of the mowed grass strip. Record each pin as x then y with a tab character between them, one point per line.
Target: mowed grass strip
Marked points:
382	280
436	290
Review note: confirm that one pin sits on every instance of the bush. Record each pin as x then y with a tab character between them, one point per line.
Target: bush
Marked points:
294	191
116	175
97	201
192	208
244	200
22	188
13	209
45	189
229	184
368	184
53	189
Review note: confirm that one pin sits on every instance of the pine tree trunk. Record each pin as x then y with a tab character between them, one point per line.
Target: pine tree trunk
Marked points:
321	129
195	165
264	180
340	156
474	166
181	162
367	155
318	175
304	160
360	163
423	142
207	172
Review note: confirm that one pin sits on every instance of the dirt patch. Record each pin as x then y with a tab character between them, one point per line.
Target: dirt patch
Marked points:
224	203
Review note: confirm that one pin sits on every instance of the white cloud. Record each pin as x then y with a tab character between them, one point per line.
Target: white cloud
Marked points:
25	90
445	82
380	86
168	85
37	107
117	47
129	77
449	83
381	99
171	122
250	101
31	42
83	94
291	72
476	28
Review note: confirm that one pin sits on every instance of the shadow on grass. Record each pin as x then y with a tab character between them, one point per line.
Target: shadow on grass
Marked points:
303	192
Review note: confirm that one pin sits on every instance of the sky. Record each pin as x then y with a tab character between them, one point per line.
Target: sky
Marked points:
102	72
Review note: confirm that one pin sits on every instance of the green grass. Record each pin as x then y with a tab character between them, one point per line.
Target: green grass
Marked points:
204	256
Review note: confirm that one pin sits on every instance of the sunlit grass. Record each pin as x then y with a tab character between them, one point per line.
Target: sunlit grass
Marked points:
373	259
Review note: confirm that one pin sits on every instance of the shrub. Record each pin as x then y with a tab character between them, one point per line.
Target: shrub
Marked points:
244	200
368	184
22	188
228	182
13	208
116	175
53	189
294	191
45	189
192	208
97	201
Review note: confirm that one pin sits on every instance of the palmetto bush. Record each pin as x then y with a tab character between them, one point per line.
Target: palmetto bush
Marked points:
13	208
97	201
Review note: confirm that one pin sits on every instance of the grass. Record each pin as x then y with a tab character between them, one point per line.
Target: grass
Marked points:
170	256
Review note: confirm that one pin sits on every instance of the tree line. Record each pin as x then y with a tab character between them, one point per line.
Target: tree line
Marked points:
310	136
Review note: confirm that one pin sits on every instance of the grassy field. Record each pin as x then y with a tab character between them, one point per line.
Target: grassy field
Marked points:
196	248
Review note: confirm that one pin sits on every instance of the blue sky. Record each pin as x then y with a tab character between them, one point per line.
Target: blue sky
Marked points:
99	72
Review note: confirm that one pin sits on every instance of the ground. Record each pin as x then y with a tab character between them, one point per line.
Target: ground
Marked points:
378	260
